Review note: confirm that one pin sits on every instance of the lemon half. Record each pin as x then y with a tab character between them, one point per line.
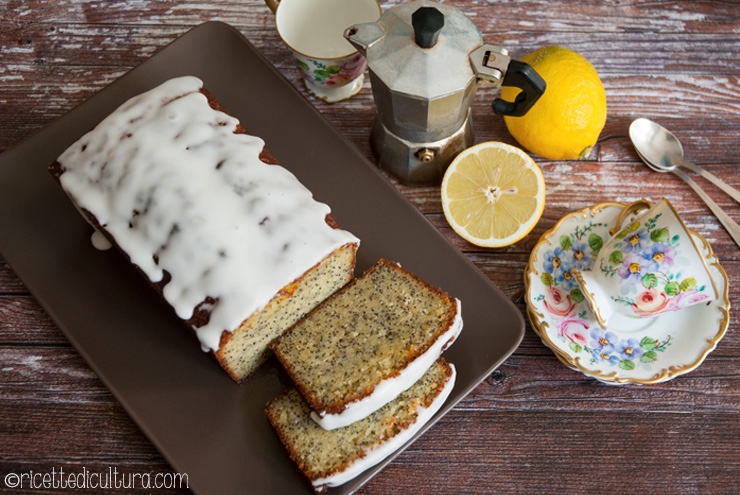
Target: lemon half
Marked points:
493	194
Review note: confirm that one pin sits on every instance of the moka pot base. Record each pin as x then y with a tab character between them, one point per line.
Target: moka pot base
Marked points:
418	162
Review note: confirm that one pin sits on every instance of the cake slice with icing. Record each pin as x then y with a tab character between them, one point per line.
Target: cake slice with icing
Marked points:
331	458
367	343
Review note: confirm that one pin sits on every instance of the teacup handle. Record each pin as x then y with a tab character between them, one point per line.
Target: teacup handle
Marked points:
272	4
640	204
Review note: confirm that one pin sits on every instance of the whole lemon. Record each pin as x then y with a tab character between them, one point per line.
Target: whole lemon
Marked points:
567	119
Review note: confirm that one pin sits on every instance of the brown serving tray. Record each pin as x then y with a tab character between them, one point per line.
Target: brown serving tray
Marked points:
205	424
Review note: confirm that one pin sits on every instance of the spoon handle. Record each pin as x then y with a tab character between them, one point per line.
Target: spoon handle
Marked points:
734	193
729	224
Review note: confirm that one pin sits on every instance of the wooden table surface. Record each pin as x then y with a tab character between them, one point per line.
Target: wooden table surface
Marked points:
533	426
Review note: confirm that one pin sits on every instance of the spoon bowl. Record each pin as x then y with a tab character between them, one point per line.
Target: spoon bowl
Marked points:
656	145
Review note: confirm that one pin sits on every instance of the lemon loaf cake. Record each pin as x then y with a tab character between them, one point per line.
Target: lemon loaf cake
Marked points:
367	343
234	242
332	457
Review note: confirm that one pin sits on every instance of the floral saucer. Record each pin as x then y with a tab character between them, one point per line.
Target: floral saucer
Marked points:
642	351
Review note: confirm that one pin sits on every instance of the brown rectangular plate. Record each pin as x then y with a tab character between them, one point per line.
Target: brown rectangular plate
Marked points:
205	424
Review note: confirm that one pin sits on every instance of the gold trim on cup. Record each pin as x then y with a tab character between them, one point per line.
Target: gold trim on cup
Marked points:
590	297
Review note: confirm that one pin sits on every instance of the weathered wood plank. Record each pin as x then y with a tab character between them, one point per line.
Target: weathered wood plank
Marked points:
578	452
536	15
58	45
9	282
22	320
37	375
541	383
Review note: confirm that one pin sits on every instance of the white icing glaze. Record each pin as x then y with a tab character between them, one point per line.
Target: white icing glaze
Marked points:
389	389
180	193
380	452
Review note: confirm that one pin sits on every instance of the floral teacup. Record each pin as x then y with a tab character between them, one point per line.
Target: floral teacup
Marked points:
650	266
313	30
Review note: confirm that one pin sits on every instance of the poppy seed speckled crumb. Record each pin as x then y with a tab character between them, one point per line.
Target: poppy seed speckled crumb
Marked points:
367	333
332	457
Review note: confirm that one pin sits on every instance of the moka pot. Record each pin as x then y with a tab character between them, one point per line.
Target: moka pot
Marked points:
425	62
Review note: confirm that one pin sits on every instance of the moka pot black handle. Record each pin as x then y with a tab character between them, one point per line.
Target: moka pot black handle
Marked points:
520	75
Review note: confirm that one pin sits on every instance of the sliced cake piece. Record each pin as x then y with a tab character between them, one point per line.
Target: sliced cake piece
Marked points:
332	457
366	344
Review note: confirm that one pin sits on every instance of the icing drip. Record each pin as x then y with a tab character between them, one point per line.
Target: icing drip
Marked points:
99	241
180	193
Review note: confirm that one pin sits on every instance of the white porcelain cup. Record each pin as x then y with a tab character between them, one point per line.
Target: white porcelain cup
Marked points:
333	70
648	267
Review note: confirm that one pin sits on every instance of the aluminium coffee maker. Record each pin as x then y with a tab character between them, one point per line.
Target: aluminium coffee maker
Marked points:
425	61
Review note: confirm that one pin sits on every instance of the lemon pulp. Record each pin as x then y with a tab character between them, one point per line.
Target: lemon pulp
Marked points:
493	194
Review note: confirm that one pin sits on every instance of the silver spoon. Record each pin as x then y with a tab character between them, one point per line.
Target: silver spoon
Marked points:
658	148
663	152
